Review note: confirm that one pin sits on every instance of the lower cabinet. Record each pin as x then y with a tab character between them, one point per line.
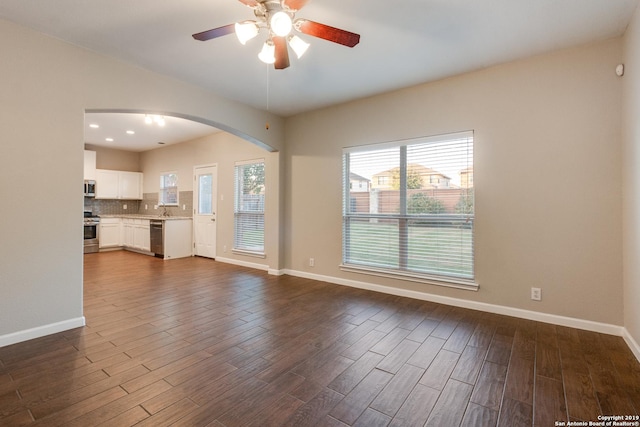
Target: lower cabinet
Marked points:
124	232
109	234
135	234
141	235
178	238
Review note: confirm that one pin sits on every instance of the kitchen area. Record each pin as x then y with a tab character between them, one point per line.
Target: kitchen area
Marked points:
119	216
145	187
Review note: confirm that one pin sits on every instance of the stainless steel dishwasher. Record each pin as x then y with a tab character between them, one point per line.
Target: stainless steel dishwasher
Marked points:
156	231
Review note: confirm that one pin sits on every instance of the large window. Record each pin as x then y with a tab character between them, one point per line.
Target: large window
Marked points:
249	207
168	194
417	222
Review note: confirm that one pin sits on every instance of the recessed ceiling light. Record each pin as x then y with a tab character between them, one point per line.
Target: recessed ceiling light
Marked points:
94	126
130	132
109	139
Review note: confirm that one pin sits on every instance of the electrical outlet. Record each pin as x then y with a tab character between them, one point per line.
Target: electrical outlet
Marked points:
312	262
184	207
224	248
536	294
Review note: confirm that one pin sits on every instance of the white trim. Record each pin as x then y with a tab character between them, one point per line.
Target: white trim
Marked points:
247	252
571	322
274	272
449	282
41	331
633	345
241	263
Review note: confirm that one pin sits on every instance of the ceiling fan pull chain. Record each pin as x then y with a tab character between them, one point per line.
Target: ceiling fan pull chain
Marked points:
267	123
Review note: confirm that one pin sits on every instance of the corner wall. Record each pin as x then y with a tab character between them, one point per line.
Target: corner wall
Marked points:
547	175
631	182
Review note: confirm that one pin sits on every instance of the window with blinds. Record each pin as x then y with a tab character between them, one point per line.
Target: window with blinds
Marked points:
414	217
168	194
249	207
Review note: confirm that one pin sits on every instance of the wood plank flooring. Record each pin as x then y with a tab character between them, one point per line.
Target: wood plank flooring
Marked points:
193	342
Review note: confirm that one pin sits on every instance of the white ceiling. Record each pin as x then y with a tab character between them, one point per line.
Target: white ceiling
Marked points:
145	137
403	43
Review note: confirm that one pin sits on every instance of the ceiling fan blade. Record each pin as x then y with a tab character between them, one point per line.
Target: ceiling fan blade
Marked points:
250	3
326	32
295	5
216	32
282	53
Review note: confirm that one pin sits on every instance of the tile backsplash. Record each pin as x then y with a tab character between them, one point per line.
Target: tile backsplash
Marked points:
142	207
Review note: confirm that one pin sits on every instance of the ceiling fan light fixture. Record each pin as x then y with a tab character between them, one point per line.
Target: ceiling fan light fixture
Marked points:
246	30
298	45
281	24
268	52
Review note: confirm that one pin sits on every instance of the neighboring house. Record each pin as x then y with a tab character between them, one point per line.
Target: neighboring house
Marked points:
358	183
429	178
466	178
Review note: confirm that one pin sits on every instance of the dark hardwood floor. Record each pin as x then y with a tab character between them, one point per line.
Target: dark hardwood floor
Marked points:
193	342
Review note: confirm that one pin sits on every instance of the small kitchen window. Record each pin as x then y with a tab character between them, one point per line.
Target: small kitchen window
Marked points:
168	194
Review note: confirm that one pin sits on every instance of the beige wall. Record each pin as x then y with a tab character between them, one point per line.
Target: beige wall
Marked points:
631	170
222	149
554	116
46	87
112	159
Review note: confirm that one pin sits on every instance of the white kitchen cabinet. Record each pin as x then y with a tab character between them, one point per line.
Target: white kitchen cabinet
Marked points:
178	238
136	234
141	235
89	165
130	185
127	232
106	184
109	233
122	185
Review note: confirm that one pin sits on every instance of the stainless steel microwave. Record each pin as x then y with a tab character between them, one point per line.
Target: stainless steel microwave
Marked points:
89	188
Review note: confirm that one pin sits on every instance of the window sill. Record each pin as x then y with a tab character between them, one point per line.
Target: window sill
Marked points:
249	253
468	285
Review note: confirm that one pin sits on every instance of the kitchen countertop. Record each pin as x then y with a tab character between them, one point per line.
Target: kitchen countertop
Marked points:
140	216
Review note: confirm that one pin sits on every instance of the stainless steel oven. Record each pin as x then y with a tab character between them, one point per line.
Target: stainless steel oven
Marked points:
91	230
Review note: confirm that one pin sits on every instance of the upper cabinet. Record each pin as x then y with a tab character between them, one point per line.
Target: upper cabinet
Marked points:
130	185
118	185
89	165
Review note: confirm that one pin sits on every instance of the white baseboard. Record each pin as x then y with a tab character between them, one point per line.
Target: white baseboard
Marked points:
41	331
633	345
241	263
588	325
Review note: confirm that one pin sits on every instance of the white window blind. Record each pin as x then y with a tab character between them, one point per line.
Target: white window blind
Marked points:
249	207
168	194
417	219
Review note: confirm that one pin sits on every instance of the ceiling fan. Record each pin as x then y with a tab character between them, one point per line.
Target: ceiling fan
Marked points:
278	17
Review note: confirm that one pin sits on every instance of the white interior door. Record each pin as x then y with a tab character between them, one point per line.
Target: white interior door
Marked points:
205	206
